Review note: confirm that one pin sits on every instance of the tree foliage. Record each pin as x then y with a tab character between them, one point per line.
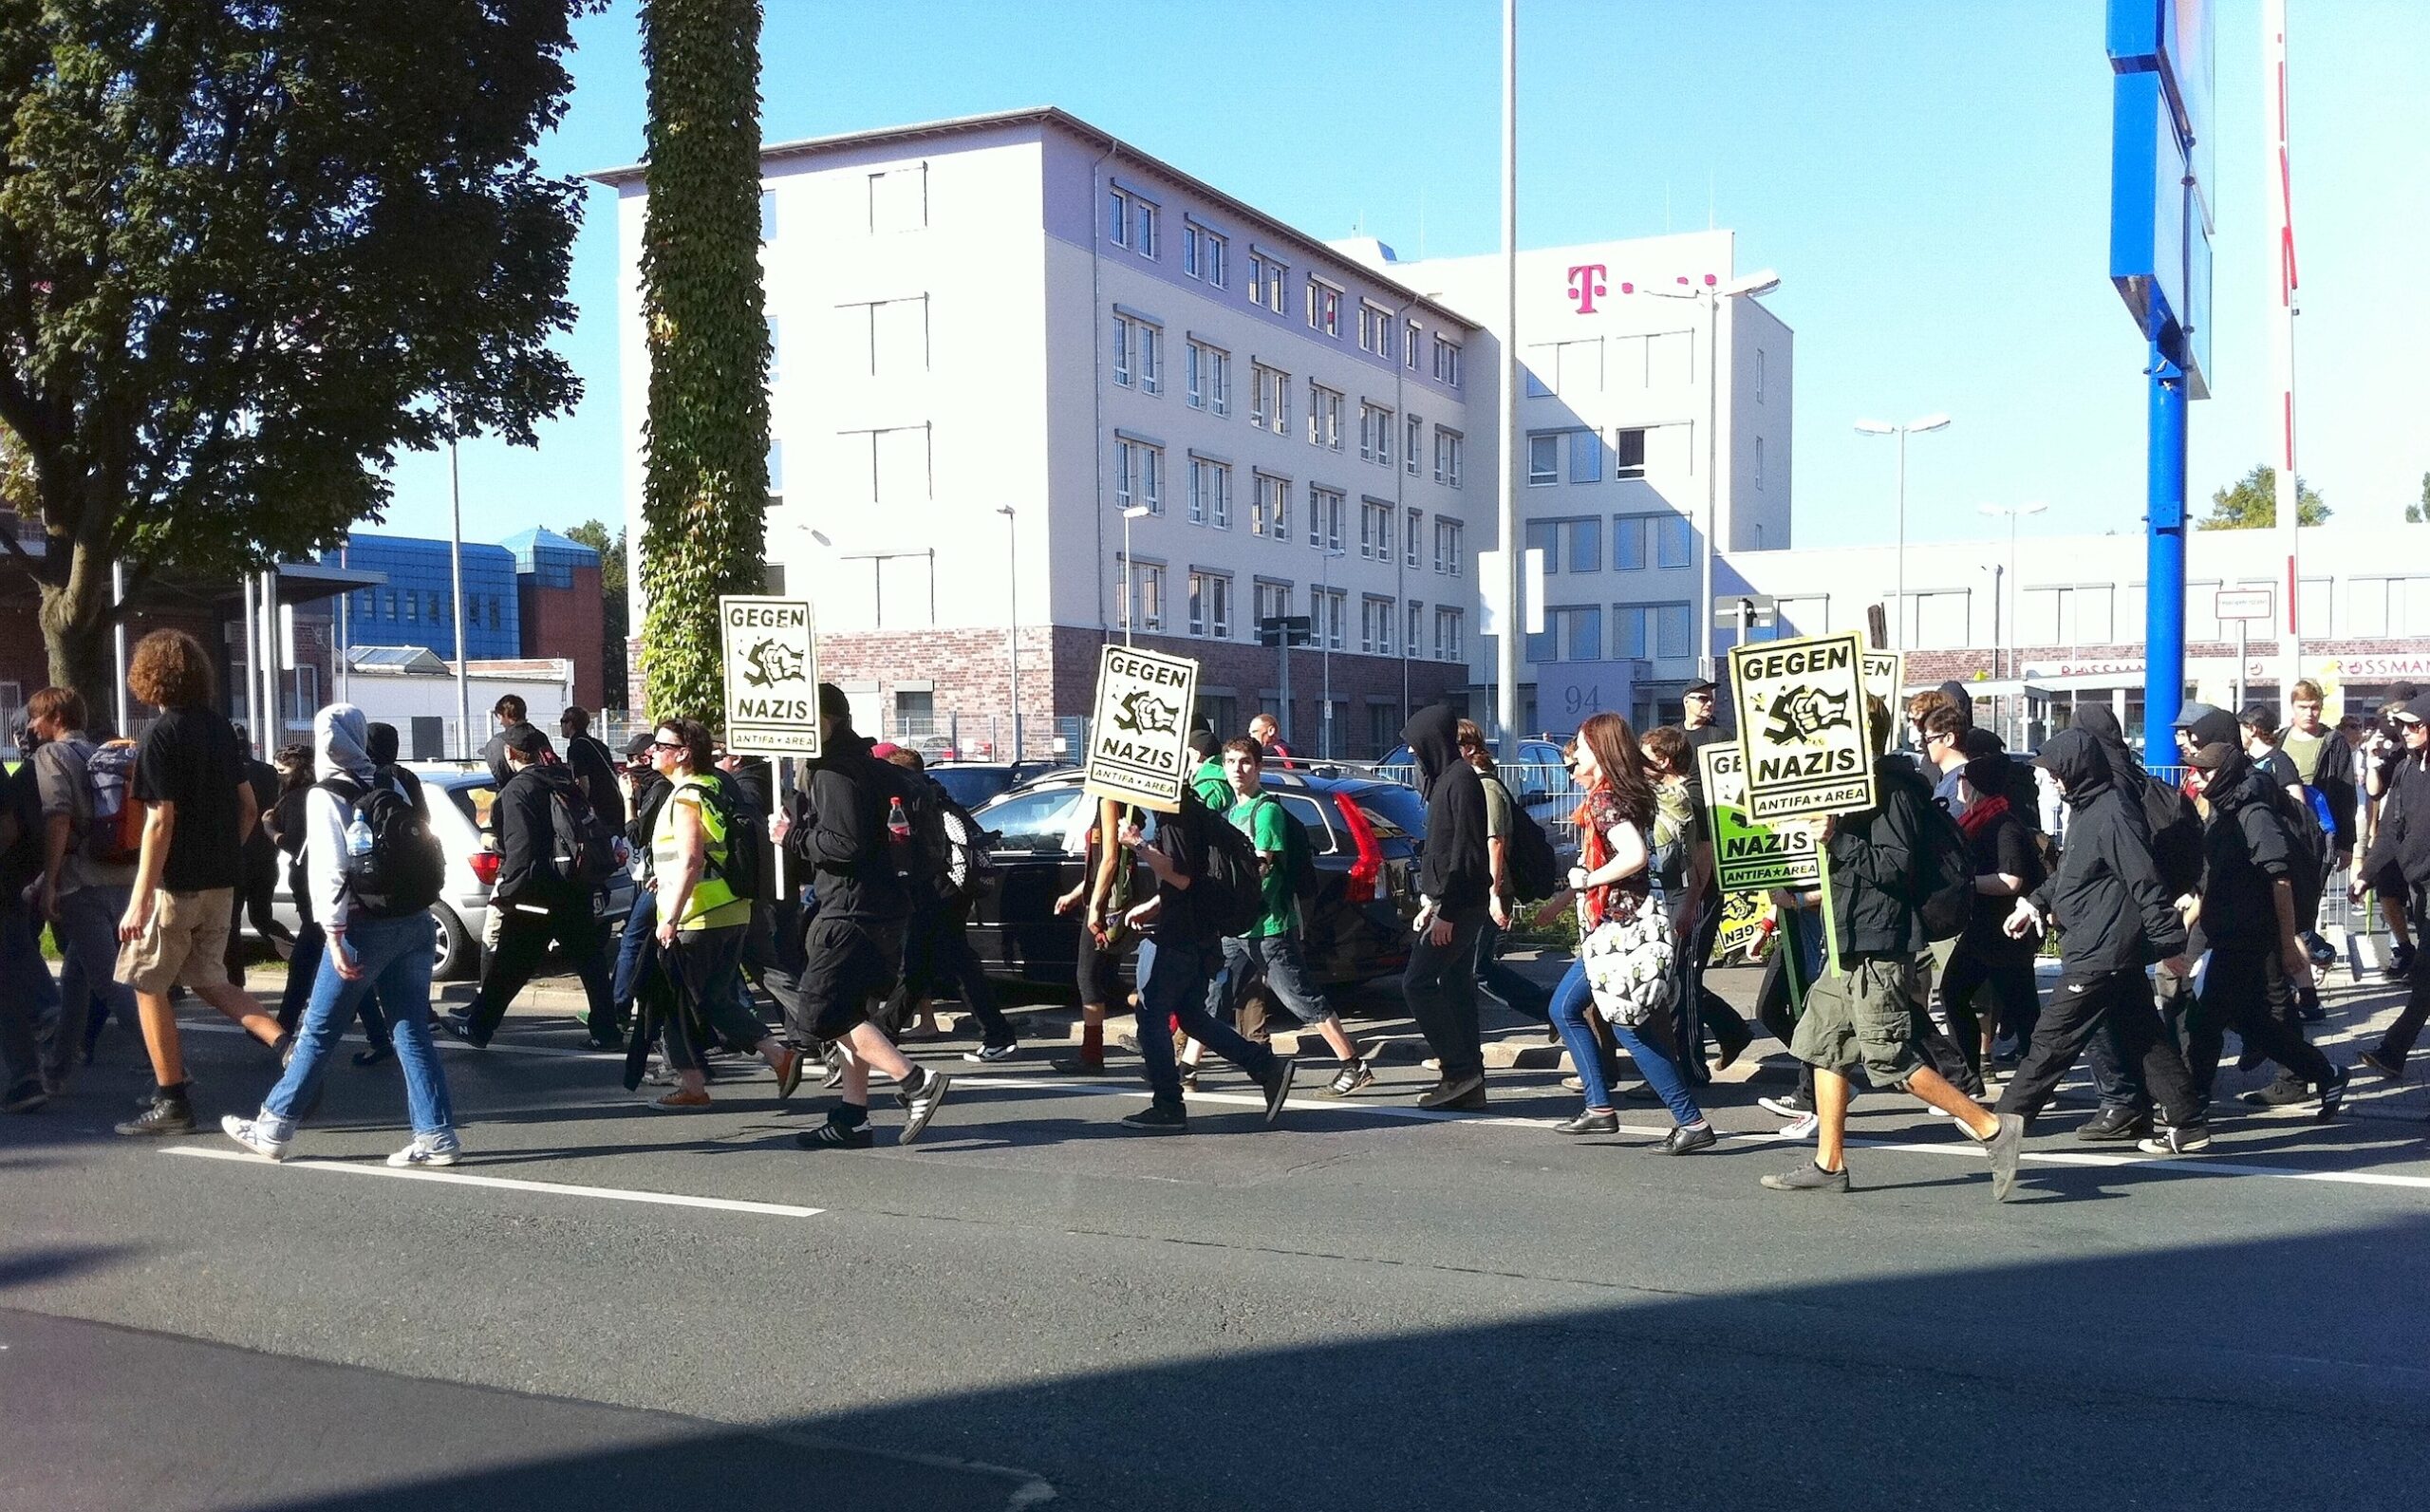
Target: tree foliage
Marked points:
2251	502
248	251
706	479
616	616
2419	513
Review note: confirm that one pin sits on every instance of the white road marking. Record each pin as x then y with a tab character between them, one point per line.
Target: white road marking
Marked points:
613	1194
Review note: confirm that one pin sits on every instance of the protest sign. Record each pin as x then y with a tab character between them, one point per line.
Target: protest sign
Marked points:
1802	726
1138	750
771	676
1748	856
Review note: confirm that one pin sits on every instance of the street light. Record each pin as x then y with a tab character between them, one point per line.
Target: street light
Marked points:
1013	620
2016	589
1129	572
1928	423
1711	293
1332	622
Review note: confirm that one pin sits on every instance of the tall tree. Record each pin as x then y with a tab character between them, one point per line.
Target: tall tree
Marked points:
248	251
617	611
705	485
2251	502
2419	514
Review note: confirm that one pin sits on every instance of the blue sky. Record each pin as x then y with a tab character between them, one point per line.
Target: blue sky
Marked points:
1932	182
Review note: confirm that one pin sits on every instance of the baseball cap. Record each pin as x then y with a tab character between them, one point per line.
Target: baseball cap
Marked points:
1700	685
526	739
2405	713
639	745
2213	757
884	749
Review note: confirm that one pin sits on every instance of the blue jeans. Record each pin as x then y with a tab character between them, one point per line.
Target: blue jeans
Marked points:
1505	982
28	996
304	969
1572	1002
1175	987
1284	967
87	934
640	926
395	955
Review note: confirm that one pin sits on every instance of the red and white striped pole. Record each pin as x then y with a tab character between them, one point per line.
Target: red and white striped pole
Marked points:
2281	329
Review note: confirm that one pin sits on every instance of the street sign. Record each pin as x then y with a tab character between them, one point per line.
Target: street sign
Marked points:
1748	856
1761	610
2244	604
1494	587
1271	631
1567	692
771	676
1800	725
1138	743
1881	681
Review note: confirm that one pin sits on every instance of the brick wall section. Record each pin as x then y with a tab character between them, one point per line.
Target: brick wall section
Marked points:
1970	664
566	622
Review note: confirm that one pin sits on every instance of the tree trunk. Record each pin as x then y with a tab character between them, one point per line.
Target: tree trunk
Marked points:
76	624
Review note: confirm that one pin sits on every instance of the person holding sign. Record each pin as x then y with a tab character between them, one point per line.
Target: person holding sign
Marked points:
1868	1010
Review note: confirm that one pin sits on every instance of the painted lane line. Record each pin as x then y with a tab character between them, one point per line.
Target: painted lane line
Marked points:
613	1194
1969	1150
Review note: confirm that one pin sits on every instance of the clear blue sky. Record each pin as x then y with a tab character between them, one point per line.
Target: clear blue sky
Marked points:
1932	182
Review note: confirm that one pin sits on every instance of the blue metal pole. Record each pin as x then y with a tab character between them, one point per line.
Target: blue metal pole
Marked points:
2164	600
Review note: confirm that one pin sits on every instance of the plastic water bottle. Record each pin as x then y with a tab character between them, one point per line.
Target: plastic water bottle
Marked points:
898	834
358	844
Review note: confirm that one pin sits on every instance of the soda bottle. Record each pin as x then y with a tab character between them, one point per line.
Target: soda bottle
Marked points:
898	834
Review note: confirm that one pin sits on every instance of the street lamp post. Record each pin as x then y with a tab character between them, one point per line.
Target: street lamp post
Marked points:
1712	292
1928	423
1332	622
1129	573
1012	618
2016	597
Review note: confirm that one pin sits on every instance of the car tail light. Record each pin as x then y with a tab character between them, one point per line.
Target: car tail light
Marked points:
485	865
1369	864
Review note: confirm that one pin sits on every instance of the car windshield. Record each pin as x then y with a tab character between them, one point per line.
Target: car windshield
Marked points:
1039	820
972	786
1395	812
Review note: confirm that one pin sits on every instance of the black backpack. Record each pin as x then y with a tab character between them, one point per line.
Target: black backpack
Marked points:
404	870
2176	836
969	854
2307	845
1226	892
1527	858
583	847
1944	874
739	871
924	861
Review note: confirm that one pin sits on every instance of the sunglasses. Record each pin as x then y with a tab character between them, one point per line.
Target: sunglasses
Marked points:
666	745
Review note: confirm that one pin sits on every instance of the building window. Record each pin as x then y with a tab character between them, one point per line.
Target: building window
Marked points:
1410	345
1138	476
1374	330
1447	546
1331	605
898	199
1211	604
901	464
1270	398
1414	452
1446	363
1324	307
1209	375
1375	434
1759	375
413	607
1130	220
1324	416
1273	600
1265	281
1210	492
1375	625
1670	630
1412	539
1203	253
1145	585
1138	354
1672	540
1574	634
1628	454
1759	465
1628	543
1586	457
767	214
1543	460
896	330
1324	518
1375	531
1447	636
1450	447
1270	511
1416	628
494	615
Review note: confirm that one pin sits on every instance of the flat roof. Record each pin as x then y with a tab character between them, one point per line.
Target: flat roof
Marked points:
1058	117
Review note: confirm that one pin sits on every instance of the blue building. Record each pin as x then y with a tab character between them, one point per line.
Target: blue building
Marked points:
417	606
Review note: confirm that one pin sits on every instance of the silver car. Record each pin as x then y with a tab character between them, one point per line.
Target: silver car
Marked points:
463	911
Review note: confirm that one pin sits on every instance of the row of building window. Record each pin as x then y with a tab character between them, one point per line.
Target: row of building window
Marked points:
1134	221
1139	481
1386	626
1638	541
1575	632
1588	455
417	606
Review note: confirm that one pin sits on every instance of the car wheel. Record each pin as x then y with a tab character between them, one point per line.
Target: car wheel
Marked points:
454	950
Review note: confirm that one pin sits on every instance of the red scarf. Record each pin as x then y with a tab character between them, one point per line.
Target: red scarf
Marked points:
1981	815
1594	850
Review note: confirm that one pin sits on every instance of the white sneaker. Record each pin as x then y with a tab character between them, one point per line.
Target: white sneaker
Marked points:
254	1134
428	1150
1804	1127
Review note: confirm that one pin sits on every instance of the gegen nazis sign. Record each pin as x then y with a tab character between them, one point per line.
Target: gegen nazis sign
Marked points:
1138	743
1802	725
1747	856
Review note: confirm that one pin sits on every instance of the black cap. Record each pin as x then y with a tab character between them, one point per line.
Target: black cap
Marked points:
526	739
1700	685
2212	756
2406	713
2262	717
640	743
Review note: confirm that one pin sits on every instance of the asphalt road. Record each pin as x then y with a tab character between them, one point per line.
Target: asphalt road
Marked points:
1362	1307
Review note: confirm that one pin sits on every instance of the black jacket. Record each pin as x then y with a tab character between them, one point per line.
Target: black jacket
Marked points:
839	827
2112	912
1454	871
526	823
653	792
594	772
1874	855
2404	837
2333	774
495	753
2245	851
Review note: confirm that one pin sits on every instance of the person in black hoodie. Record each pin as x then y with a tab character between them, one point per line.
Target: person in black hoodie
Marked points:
537	908
1868	1011
1455	887
2386	751
594	771
2401	850
2248	914
2125	1115
2006	864
2114	918
853	946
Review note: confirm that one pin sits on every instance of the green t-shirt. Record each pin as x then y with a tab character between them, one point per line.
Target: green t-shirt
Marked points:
1214	789
2303	750
1497	809
1262	820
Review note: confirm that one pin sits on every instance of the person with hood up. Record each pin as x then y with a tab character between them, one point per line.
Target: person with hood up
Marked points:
2385	761
536	905
2247	913
2401	849
1868	1011
365	950
1455	888
2114	918
2006	864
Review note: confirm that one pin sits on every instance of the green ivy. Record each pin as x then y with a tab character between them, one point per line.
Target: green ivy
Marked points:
705	485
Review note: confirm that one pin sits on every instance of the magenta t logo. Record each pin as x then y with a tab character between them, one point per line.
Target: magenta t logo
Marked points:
1585	285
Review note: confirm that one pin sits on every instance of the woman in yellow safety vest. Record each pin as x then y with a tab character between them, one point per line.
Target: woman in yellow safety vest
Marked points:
700	920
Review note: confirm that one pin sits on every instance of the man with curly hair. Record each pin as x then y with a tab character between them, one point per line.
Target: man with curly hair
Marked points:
190	777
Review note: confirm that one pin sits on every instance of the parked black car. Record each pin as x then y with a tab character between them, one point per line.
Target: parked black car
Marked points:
1365	834
973	783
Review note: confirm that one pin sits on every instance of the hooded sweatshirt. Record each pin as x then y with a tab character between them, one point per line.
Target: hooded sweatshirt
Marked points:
1873	854
839	827
2112	912
1454	871
338	756
2243	853
525	815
